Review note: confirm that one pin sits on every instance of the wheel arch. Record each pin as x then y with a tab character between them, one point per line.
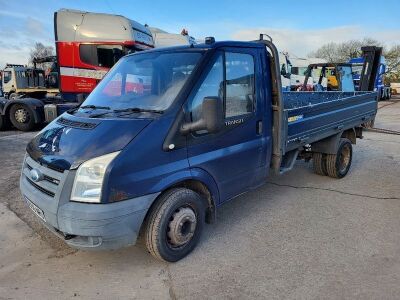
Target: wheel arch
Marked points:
351	135
200	182
202	189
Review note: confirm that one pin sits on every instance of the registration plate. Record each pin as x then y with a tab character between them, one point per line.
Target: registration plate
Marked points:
36	210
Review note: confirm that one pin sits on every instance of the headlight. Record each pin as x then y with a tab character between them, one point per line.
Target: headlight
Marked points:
89	179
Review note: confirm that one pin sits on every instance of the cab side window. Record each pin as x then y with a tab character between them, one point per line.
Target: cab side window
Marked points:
7	76
239	84
100	55
212	86
231	79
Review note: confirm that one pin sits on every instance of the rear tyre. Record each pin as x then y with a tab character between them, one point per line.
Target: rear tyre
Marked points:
319	163
338	165
22	117
174	225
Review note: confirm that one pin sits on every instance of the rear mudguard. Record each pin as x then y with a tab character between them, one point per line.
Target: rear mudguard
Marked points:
328	145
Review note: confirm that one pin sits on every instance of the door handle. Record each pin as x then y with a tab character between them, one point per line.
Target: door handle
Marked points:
259	127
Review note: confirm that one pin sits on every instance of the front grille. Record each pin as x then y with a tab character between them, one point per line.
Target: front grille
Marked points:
76	124
51	180
43	190
48	178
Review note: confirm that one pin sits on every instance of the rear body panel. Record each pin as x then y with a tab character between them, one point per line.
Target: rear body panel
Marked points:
313	116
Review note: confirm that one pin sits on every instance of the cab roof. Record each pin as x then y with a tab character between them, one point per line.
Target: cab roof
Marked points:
208	46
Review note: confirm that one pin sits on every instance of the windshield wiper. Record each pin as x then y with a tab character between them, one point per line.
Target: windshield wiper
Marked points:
137	109
127	111
95	107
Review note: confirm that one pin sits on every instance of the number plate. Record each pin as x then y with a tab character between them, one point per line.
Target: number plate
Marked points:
36	209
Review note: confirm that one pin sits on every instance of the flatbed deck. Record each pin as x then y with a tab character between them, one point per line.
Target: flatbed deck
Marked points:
312	116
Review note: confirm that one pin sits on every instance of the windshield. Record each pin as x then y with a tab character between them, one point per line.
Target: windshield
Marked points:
357	68
149	81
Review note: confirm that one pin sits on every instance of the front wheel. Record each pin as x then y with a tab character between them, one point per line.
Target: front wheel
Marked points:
22	118
175	224
338	165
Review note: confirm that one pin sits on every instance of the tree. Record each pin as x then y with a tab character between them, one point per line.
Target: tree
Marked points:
40	51
343	52
327	52
393	59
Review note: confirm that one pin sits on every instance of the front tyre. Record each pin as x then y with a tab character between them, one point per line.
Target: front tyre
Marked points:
338	165
174	225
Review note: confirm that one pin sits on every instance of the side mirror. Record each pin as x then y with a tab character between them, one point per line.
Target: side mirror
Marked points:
211	117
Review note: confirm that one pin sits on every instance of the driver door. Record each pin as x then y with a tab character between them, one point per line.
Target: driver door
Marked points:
235	155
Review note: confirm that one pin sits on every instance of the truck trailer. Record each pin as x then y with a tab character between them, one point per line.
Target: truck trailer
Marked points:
209	123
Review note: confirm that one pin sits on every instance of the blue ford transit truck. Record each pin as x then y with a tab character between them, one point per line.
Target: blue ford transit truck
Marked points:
171	134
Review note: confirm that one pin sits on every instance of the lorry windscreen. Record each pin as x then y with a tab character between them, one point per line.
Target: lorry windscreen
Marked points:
148	81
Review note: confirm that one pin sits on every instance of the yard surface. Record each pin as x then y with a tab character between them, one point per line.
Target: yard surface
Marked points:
300	236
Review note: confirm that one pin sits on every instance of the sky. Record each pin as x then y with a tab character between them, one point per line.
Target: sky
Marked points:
297	27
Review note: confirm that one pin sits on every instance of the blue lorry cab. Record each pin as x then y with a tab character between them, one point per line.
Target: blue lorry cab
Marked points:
169	135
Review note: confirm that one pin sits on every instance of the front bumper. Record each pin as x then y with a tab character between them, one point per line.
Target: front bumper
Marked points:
102	226
83	225
93	226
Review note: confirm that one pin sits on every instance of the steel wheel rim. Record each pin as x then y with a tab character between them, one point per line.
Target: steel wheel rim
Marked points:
21	115
181	227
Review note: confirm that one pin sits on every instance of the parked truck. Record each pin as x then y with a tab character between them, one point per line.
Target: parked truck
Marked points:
208	123
87	46
384	91
22	81
328	77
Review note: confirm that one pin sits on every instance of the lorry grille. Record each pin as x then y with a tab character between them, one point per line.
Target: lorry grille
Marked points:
49	184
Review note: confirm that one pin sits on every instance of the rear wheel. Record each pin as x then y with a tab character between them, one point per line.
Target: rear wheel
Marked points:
174	225
13	96
22	117
338	165
319	163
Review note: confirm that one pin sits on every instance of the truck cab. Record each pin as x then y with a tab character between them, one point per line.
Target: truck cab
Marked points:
89	44
171	134
329	77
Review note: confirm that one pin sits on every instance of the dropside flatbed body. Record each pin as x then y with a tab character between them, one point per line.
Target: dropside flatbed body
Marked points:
313	116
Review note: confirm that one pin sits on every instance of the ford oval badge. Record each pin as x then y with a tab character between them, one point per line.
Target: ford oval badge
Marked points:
35	175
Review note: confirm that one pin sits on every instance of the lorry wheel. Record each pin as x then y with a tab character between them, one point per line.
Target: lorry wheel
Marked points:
13	96
338	165
174	225
22	117
319	163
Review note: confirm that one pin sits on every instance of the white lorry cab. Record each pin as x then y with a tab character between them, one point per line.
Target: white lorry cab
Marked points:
298	70
165	39
19	80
